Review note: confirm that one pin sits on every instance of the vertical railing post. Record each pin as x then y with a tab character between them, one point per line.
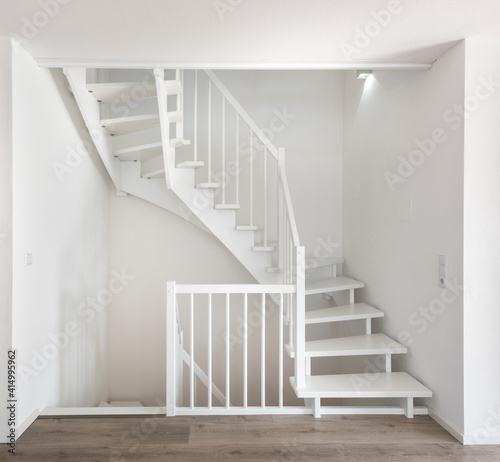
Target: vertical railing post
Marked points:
171	354
168	151
281	214
265	197
300	319
223	150
237	158
179	126
251	178
195	127
209	157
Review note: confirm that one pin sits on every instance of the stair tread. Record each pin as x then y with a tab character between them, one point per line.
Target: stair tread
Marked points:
358	345
332	285
274	269
227	206
376	385
156	174
313	262
141	152
343	313
191	164
110	92
174	116
124	125
173	87
179	142
207	185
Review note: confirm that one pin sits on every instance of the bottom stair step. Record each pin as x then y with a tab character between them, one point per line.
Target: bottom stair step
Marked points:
377	385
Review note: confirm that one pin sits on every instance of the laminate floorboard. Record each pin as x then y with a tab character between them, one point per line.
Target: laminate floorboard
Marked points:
243	439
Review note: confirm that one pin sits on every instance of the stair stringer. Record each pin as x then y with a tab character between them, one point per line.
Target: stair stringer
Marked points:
154	191
221	223
183	199
89	108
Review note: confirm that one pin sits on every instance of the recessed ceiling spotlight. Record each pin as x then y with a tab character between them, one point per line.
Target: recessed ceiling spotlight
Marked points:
364	74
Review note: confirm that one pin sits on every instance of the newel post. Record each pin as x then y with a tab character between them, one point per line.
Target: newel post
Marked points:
300	319
171	356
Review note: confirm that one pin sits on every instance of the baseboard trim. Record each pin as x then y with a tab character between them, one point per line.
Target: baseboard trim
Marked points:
286	410
101	411
470	440
447	426
373	410
21	428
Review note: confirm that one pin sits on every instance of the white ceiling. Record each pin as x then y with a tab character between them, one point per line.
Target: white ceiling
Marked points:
255	30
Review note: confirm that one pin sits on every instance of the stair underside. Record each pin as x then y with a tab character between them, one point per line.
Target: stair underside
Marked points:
110	92
123	125
378	385
115	91
140	153
343	313
359	345
332	285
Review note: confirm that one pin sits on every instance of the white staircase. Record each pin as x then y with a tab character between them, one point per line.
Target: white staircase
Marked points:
165	147
385	384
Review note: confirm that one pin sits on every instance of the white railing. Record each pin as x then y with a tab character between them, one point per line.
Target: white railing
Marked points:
246	341
251	172
237	154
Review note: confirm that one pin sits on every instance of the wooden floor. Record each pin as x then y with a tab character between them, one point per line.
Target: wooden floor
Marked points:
251	438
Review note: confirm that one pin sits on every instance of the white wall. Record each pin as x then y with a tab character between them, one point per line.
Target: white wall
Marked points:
481	243
393	236
5	224
63	222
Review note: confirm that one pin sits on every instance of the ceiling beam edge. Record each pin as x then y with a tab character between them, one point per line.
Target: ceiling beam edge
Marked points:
234	65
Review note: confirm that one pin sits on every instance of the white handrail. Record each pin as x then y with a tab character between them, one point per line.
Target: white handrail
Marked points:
235	289
287	199
243	114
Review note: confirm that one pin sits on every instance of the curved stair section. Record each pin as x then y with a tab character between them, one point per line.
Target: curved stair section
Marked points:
139	150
